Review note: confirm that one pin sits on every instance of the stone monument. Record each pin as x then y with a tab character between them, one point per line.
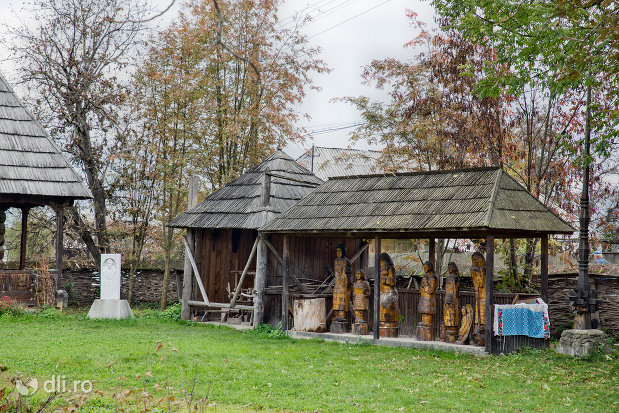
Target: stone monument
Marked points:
110	305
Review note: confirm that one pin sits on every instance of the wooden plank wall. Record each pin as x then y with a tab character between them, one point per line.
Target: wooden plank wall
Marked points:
216	261
309	257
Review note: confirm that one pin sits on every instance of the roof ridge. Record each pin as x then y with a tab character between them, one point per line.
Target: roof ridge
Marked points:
436	172
495	191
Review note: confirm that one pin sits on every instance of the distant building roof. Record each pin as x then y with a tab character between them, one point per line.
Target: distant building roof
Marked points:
239	204
334	162
33	170
452	203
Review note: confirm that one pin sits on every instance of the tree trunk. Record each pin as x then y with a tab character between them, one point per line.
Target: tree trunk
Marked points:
95	184
168	232
80	227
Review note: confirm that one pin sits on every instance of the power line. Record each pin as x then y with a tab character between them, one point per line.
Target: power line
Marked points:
349	19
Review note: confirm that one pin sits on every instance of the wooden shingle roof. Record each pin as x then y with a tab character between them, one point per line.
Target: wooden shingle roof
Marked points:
32	168
239	205
450	203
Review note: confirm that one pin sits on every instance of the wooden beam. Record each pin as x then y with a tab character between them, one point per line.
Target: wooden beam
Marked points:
289	178
193	303
285	284
281	261
192	201
376	287
244	273
59	244
432	251
359	252
260	280
489	291
195	270
24	237
544	269
266	187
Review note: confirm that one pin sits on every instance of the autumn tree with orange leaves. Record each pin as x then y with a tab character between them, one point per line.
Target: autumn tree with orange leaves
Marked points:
436	119
217	92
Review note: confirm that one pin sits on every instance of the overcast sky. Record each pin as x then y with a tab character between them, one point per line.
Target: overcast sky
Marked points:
351	34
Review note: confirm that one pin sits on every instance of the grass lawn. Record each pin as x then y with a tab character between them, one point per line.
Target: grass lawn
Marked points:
251	370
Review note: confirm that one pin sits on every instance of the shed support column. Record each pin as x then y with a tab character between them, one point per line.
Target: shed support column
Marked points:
59	244
191	239
260	282
285	284
489	291
432	251
544	269
375	323
24	237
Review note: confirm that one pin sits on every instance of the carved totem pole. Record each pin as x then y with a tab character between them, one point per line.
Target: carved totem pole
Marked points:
427	303
478	273
451	315
389	311
361	303
341	290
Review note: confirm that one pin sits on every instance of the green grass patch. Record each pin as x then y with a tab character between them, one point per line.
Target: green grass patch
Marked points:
263	370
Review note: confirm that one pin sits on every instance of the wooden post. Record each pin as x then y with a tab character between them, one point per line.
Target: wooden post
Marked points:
375	323
489	291
432	251
260	281
24	237
237	291
544	269
285	284
266	188
191	240
59	244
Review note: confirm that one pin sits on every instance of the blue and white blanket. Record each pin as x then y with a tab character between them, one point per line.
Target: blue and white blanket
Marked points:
522	320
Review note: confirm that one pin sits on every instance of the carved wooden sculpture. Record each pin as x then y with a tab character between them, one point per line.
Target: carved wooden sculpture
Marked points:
361	303
451	315
465	324
427	303
389	311
341	290
478	273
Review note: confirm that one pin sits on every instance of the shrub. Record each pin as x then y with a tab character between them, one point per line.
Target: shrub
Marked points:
10	307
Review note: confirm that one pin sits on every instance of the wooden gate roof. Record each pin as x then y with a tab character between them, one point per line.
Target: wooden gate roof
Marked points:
33	170
239	205
442	203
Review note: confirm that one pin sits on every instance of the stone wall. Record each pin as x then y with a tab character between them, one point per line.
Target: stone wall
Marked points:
84	286
559	309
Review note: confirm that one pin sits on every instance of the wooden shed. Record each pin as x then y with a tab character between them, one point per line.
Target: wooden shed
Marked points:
33	173
467	203
223	230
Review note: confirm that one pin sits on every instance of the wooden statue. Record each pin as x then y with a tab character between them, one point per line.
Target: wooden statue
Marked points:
465	325
451	315
341	290
478	273
427	303
361	303
389	311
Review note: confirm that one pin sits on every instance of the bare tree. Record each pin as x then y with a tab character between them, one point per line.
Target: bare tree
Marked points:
71	60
